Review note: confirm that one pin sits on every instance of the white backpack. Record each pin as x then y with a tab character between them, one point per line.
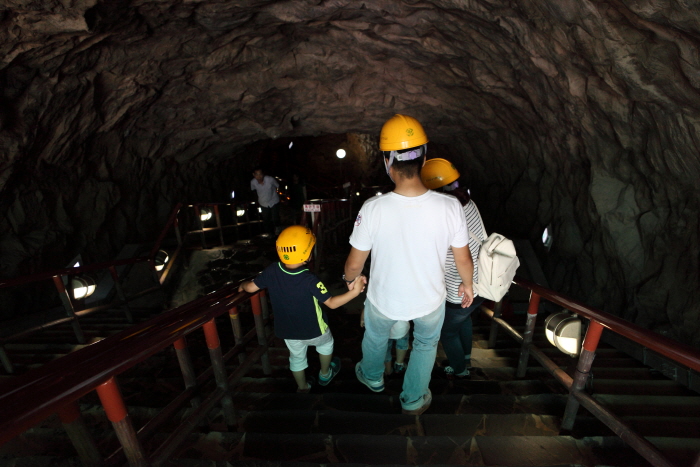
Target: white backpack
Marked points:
498	262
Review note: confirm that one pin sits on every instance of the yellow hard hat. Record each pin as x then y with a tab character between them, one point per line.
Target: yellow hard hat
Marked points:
401	132
438	172
295	243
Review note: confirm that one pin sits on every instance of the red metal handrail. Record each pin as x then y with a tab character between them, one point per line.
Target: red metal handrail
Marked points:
30	398
677	351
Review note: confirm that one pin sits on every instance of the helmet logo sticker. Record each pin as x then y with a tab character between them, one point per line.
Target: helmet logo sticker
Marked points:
409	131
286	257
358	221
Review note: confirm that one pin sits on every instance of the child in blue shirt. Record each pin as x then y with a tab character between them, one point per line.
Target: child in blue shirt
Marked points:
296	294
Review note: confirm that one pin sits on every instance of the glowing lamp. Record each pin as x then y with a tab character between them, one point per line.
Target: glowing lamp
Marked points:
240	212
563	330
83	287
161	259
340	153
233	194
205	214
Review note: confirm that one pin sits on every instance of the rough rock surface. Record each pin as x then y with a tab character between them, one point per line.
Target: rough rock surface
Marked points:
581	115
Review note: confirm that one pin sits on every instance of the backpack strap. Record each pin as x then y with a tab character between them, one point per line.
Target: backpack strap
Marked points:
483	228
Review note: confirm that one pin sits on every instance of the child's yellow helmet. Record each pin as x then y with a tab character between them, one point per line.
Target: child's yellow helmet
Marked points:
295	244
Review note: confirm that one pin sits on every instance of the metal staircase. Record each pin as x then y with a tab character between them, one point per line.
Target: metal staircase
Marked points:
162	393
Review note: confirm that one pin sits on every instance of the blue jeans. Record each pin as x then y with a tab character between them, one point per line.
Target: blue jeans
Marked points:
401	344
426	334
456	334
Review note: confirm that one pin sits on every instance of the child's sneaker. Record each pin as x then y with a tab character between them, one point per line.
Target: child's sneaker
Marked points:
450	373
399	368
374	386
309	385
333	370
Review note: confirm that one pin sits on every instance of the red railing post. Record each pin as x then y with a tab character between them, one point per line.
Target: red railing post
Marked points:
237	330
217	363
583	368
70	310
493	333
79	435
114	407
218	224
121	294
185	361
260	331
527	335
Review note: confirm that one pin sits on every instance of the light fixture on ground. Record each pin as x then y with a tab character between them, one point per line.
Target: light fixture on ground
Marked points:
83	286
340	153
240	212
563	330
161	259
205	214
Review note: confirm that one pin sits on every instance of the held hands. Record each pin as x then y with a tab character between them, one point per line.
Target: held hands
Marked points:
467	294
358	285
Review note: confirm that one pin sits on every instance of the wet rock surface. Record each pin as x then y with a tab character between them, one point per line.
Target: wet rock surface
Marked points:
578	115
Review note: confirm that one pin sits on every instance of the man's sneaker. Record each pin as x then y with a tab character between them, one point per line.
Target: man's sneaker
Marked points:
450	373
419	406
399	368
333	370
374	386
309	384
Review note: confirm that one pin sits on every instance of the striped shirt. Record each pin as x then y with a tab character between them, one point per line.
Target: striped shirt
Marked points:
476	228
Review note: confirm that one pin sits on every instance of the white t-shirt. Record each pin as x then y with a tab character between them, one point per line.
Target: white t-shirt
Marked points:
409	238
267	192
452	277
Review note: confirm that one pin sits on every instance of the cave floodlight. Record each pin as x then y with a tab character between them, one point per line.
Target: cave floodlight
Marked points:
161	259
205	214
259	209
233	194
291	144
340	153
83	287
357	194
77	264
240	212
469	192
563	330
378	193
286	187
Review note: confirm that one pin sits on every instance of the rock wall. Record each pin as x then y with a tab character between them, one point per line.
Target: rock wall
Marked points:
581	115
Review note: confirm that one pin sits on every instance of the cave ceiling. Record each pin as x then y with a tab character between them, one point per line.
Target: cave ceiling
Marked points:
580	115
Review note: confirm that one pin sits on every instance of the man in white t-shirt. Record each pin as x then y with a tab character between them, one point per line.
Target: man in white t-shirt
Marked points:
408	231
268	199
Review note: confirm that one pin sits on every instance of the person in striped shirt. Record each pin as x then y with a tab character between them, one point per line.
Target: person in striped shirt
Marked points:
456	333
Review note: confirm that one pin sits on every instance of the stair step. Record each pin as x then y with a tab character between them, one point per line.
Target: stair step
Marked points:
523	451
336	422
679	427
651	405
649	387
541	404
348	383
